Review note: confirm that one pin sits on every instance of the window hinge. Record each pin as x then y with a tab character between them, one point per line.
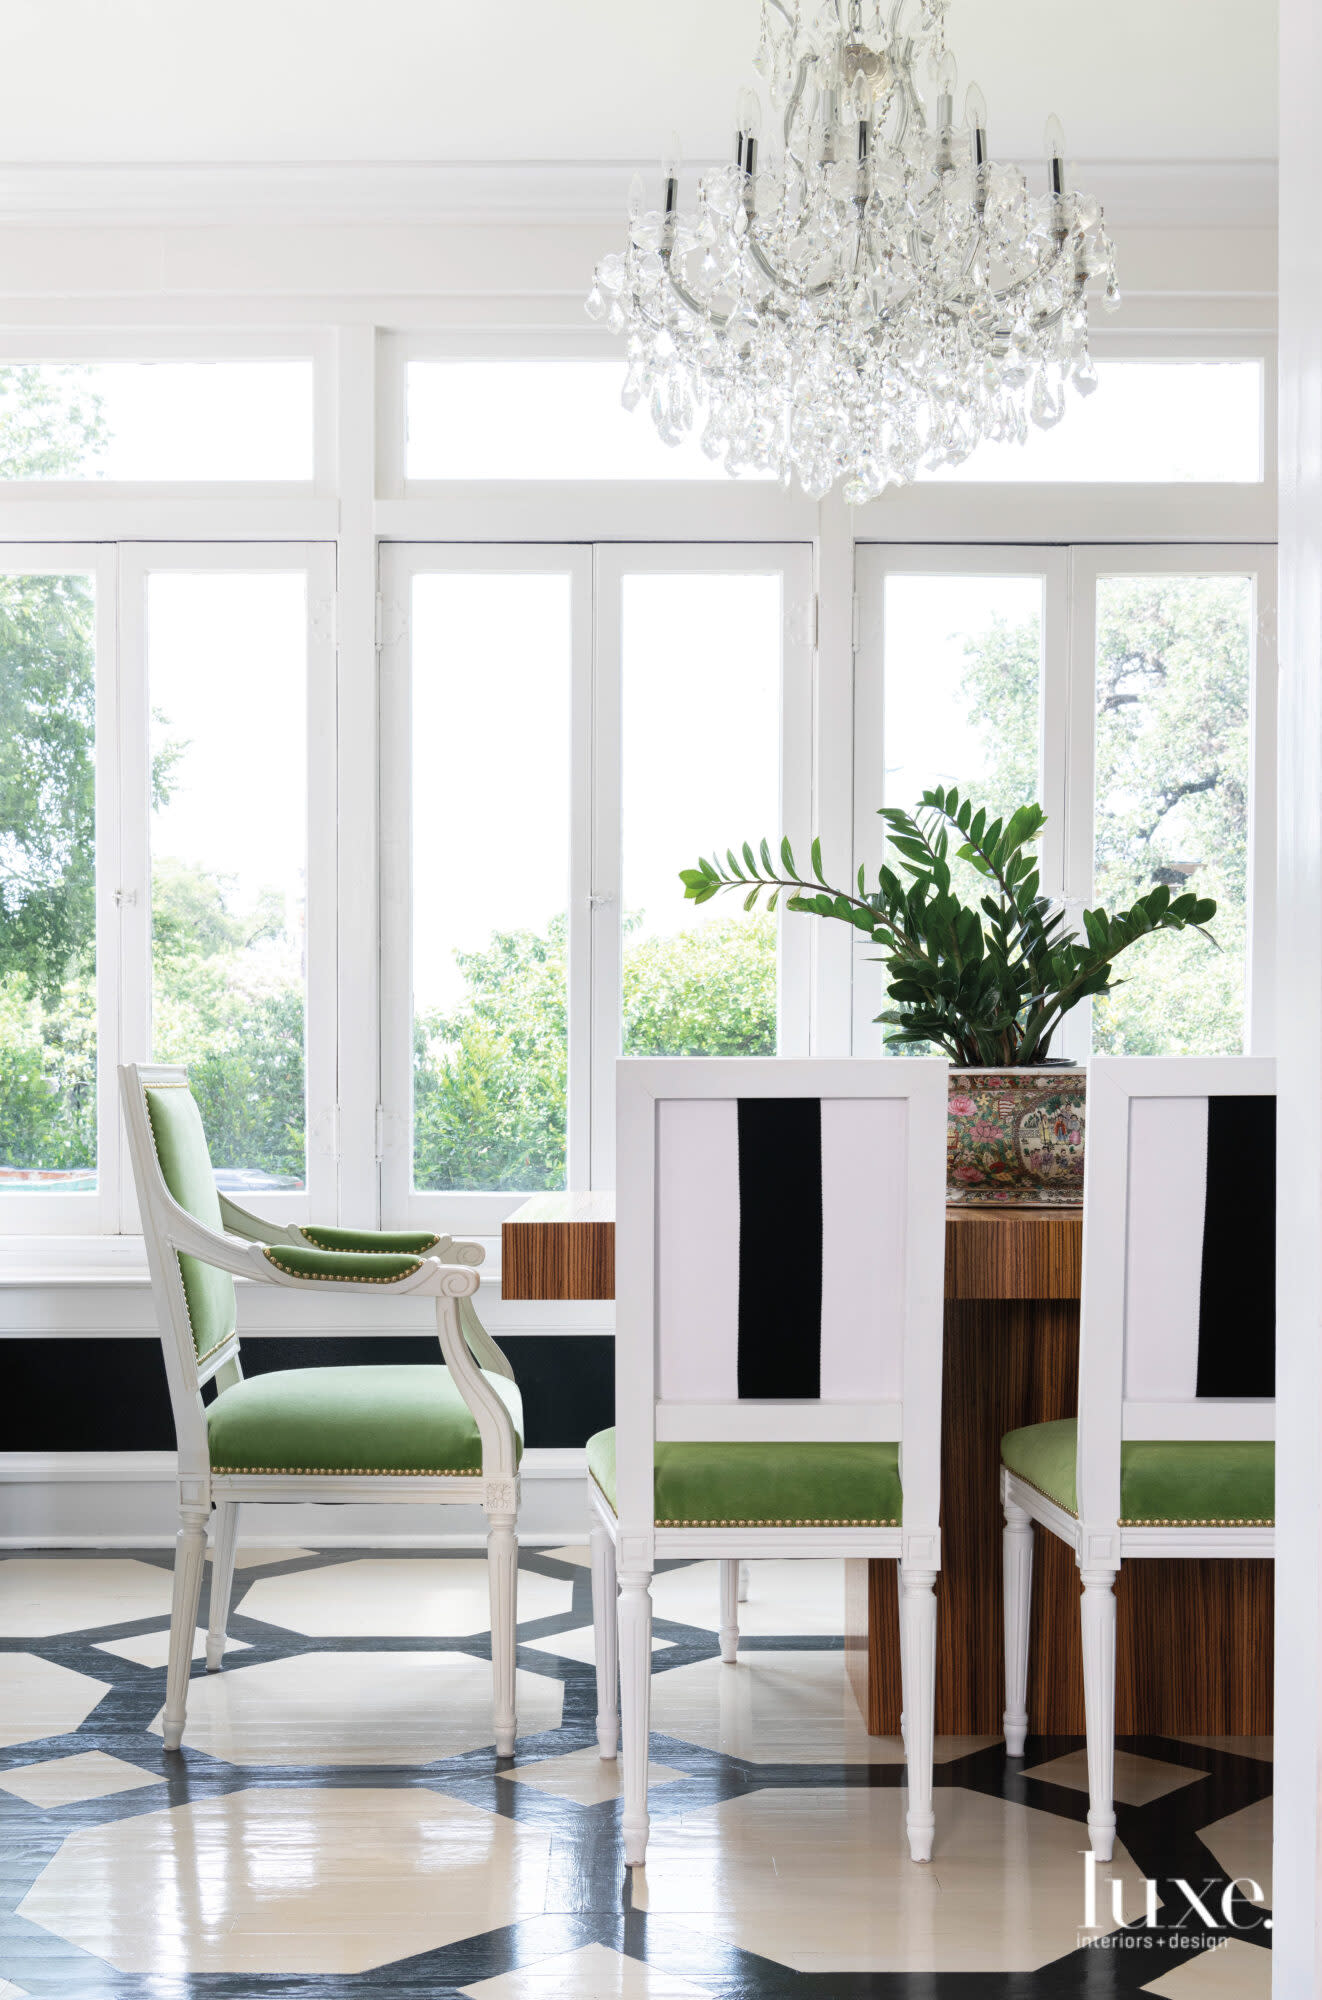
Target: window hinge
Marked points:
856	622
380	1132
816	621
380	622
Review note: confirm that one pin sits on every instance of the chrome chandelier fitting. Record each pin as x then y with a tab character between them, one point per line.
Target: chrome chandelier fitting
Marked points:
878	296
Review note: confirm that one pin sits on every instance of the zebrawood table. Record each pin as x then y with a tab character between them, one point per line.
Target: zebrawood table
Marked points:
1194	1651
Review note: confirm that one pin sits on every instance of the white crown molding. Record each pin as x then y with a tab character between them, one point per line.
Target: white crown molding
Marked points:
1135	193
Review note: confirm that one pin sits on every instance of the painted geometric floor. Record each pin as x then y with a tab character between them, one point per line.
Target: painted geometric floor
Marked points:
338	1823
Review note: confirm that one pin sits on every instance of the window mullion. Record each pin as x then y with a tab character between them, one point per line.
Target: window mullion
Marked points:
131	891
607	668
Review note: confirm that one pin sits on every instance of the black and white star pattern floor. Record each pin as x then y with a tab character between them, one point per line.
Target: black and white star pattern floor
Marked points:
338	1823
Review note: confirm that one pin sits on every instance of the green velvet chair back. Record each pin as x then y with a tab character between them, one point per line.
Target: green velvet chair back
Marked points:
185	1164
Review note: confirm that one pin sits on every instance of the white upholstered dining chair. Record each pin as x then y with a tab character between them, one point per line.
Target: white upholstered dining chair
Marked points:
1172	1454
417	1433
780	1245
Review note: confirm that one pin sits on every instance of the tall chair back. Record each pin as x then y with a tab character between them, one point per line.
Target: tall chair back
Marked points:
780	1260
171	1167
1178	1298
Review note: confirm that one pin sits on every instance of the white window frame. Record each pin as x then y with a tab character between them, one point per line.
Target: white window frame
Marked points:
594	835
123	889
1068	724
793	564
1258	562
51	1213
480	1210
18	497
1027	513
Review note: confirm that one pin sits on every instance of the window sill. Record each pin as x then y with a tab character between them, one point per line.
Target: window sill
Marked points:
69	1261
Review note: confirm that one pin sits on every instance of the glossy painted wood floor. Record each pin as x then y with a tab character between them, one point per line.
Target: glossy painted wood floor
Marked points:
338	1823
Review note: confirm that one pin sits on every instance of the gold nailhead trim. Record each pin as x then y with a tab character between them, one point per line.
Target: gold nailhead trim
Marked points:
748	1524
395	1471
339	1277
853	1523
1201	1521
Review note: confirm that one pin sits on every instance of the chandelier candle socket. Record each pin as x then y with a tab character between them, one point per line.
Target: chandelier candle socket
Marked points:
875	296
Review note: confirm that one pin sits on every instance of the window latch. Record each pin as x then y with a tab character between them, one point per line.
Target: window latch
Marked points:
125	899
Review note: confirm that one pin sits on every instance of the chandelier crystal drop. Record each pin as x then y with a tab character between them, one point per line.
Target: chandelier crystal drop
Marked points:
874	296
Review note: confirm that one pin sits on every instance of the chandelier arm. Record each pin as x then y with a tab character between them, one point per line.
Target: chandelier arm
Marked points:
793	104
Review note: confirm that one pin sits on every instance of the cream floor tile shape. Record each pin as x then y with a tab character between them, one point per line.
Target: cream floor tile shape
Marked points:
1237	1971
40	1698
253	1557
152	1649
778	1708
356	1708
594	1972
820	1880
396	1599
40	1596
1138	1780
583	1775
292	1881
62	1781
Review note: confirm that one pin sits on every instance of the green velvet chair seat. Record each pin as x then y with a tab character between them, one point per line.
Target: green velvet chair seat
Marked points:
1175	1482
765	1485
405	1419
397	1242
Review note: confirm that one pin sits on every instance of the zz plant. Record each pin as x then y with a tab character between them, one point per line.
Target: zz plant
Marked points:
988	986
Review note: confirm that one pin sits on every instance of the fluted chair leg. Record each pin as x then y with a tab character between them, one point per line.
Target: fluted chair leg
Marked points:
729	1611
918	1675
1017	1557
743	1583
636	1707
224	1540
1097	1616
605	1638
190	1552
503	1582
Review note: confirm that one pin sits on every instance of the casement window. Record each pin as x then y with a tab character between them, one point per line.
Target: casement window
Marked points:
1131	691
563	730
166	866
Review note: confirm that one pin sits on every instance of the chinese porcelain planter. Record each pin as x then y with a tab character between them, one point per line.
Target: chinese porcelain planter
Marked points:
1015	1136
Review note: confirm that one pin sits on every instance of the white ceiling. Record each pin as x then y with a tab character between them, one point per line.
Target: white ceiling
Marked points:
584	80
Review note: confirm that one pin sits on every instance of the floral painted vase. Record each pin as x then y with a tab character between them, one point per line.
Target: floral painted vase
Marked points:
1015	1136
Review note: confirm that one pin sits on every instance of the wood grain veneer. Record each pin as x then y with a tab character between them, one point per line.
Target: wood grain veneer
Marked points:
559	1246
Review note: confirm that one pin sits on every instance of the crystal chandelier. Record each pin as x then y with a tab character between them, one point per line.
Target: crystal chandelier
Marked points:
875	297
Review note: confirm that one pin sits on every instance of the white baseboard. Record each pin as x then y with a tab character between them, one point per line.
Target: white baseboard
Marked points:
126	1500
